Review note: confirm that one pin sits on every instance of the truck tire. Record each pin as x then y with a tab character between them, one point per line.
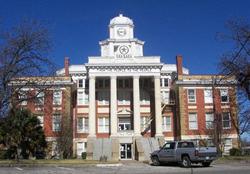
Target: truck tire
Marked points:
206	164
155	161
185	162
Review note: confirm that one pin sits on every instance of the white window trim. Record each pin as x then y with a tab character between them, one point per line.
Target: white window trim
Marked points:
165	96
105	128
84	122
79	151
208	99
40	97
53	126
78	83
196	121
60	99
80	98
209	121
165	127
226	120
23	96
144	123
189	95
227	95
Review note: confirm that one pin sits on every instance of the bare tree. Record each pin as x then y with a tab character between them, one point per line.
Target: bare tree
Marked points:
23	53
237	63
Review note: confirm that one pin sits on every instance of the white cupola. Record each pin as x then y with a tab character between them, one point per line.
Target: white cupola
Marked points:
121	27
121	42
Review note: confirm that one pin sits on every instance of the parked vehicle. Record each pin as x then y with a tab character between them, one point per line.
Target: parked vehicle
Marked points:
185	153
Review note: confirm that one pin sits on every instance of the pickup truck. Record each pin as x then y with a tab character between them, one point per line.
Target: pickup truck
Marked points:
185	153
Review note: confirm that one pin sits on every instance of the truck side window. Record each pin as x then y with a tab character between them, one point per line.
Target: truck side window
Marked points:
185	145
169	146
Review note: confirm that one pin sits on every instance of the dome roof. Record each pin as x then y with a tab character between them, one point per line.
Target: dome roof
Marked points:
121	20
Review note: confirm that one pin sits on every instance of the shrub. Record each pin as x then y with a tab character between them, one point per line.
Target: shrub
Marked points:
235	152
3	154
103	158
84	155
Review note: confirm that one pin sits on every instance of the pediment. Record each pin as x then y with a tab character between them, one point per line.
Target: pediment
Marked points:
124	111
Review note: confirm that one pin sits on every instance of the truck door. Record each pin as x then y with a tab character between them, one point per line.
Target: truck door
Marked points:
167	152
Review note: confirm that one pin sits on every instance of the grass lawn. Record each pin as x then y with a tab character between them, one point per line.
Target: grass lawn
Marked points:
54	162
233	159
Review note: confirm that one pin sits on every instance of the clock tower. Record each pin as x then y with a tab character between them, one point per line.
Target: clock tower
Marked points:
121	42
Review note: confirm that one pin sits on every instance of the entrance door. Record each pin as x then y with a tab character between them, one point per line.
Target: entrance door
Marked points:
125	151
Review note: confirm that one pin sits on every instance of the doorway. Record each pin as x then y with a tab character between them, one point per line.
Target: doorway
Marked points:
125	151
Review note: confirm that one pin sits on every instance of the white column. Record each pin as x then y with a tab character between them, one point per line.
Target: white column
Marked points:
92	107
113	106
158	115
136	103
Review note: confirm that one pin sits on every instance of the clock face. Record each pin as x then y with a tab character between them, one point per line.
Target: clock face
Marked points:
123	49
121	31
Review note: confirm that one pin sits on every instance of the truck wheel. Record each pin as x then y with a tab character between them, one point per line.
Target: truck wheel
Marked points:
206	164
185	161
155	161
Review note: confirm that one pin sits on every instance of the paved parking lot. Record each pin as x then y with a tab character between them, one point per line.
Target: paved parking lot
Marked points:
128	168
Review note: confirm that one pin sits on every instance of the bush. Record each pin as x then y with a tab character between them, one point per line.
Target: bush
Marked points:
84	155
235	152
3	154
103	158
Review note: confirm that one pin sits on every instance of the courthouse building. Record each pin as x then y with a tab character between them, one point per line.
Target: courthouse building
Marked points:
123	104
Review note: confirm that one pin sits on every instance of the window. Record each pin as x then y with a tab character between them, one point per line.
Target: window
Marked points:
39	98
41	120
80	83
80	148
87	83
228	144
103	125
208	96
192	118
166	123
82	124
57	97
224	95
103	97
165	96
124	97
55	149
145	123
124	124
80	98
169	145
103	83
124	83
164	82
226	121
209	120
185	145
145	98
56	122
191	96
22	96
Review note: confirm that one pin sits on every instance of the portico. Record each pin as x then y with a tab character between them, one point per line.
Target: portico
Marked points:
115	107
